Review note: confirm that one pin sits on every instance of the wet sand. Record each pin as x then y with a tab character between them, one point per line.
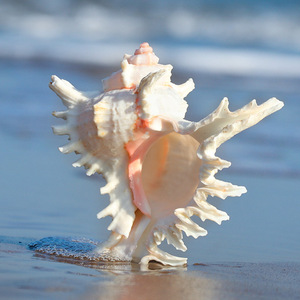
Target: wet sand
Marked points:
211	281
29	275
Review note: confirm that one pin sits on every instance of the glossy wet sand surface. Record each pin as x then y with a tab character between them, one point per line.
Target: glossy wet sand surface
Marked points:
36	276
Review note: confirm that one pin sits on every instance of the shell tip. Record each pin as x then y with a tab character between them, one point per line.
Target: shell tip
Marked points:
144	48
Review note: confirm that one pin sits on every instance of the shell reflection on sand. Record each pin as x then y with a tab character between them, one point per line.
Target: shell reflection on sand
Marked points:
163	284
213	281
159	167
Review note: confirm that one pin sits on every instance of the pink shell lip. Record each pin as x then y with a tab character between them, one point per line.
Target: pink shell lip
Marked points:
137	150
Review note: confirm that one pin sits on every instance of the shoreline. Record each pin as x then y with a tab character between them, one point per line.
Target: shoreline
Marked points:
48	278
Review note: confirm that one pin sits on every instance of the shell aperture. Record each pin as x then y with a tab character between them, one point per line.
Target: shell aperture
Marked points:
159	167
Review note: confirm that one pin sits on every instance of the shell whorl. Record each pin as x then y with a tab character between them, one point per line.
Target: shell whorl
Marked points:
143	56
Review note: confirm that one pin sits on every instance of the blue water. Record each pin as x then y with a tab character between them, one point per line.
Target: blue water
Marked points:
238	49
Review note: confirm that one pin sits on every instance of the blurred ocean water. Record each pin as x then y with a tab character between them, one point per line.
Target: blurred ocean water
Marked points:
255	36
239	49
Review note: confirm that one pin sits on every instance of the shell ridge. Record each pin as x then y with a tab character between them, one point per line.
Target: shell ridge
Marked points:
91	160
206	211
66	91
185	88
187	225
60	129
71	147
82	161
163	257
172	234
222	117
120	202
174	239
60	114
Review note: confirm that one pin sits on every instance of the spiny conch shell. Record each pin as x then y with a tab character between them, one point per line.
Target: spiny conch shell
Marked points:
159	168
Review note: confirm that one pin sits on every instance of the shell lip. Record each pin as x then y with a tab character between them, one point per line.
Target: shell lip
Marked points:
148	131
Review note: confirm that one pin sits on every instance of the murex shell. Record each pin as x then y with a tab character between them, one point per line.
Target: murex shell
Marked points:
159	167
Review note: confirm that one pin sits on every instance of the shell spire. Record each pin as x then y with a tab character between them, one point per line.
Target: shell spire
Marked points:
143	56
133	69
160	168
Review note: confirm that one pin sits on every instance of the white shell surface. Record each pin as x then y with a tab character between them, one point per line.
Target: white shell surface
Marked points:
160	168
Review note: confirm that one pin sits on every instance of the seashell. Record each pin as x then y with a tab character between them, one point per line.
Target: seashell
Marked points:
159	167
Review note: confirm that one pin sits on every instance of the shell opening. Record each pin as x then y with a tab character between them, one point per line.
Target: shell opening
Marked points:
170	173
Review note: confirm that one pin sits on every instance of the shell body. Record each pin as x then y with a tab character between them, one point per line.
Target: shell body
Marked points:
159	167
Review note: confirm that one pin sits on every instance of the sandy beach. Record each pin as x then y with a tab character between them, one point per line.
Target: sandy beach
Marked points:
26	275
